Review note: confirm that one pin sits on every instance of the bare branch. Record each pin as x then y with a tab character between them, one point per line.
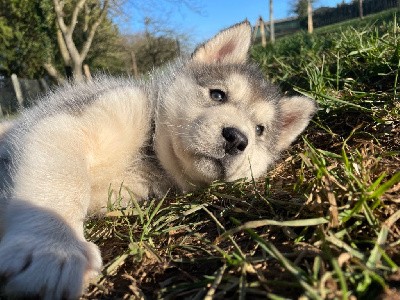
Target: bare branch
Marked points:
63	48
53	73
86	17
93	15
75	13
93	29
58	8
67	31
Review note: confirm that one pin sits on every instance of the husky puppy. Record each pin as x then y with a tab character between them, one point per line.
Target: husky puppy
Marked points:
210	117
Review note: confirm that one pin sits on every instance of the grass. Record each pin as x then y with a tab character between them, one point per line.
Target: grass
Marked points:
324	224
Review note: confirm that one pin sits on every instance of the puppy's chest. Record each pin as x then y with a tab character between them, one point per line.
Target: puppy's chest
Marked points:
115	163
110	153
139	178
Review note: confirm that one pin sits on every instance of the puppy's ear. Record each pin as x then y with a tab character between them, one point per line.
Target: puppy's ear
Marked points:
229	46
296	113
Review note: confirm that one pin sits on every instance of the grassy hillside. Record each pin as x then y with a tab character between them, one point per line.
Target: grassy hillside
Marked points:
324	224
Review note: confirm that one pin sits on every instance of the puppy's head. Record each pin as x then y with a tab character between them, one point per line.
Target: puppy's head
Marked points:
220	120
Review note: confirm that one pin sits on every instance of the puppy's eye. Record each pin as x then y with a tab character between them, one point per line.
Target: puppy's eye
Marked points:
259	130
218	95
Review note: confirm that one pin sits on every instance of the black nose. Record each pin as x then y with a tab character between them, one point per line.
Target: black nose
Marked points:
236	141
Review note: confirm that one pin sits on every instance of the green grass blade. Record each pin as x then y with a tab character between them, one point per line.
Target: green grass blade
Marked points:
377	250
262	223
386	186
294	270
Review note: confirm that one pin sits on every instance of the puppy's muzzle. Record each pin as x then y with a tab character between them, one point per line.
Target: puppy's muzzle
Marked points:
235	141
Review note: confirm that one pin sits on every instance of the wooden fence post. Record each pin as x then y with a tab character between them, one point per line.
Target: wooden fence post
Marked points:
178	47
310	17
262	32
256	28
360	8
44	84
271	22
17	90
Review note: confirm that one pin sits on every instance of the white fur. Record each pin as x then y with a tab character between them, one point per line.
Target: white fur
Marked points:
59	159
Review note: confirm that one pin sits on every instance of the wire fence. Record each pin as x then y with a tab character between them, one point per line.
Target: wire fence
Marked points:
326	16
16	93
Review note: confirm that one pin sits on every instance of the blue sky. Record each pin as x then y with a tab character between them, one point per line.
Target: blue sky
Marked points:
213	16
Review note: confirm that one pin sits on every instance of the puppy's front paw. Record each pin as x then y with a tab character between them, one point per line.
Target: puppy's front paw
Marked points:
52	266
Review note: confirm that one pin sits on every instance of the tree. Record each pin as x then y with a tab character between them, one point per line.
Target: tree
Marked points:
56	37
108	52
94	12
303	9
31	43
26	37
154	47
300	7
35	38
6	34
154	51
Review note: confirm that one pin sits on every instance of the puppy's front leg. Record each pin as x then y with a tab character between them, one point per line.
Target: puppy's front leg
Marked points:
43	251
41	256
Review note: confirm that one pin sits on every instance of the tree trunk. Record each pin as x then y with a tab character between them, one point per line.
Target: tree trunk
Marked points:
77	70
63	48
271	21
310	17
